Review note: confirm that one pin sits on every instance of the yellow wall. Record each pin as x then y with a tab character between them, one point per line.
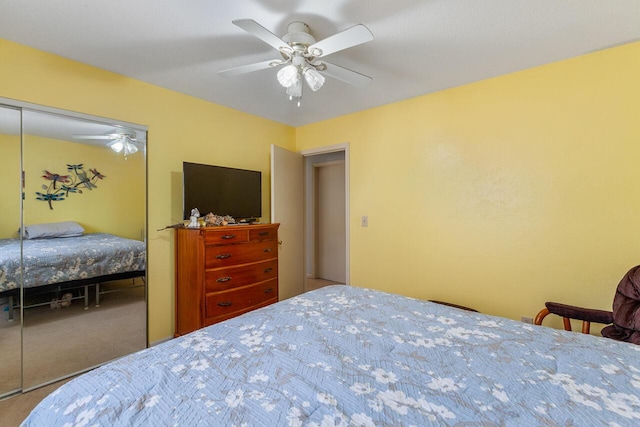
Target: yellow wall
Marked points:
10	179
97	210
501	194
116	206
181	128
498	195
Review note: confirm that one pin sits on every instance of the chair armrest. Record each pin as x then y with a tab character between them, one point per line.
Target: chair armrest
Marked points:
580	313
540	316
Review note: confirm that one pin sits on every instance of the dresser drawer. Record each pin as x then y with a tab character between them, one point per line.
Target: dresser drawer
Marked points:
223	256
230	277
266	233
223	303
227	236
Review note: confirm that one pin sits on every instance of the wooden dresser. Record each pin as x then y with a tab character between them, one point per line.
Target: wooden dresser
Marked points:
222	272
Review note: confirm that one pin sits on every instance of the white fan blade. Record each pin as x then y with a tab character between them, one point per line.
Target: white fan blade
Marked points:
350	37
250	68
346	75
257	30
94	136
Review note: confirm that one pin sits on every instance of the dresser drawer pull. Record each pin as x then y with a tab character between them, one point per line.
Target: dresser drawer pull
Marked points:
263	233
223	256
268	290
267	249
268	270
225	303
228	236
223	279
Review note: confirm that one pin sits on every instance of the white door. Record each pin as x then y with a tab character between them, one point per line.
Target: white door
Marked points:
330	222
287	208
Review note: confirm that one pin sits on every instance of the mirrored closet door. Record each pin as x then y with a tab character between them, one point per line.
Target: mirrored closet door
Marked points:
10	205
82	247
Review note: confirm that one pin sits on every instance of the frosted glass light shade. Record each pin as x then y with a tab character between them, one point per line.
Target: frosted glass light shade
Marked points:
314	79
295	90
130	148
288	75
122	144
117	146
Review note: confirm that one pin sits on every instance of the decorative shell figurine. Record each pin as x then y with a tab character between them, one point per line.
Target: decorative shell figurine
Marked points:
212	219
195	214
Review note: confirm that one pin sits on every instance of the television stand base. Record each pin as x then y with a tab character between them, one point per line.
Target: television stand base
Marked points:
247	220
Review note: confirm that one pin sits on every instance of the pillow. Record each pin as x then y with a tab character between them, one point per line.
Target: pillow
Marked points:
53	229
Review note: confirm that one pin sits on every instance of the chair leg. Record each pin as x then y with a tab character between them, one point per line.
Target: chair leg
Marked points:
567	323
10	308
586	327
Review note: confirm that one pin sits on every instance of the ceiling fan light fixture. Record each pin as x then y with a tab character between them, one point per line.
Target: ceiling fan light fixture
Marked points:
288	75
129	148
123	144
314	79
116	145
295	90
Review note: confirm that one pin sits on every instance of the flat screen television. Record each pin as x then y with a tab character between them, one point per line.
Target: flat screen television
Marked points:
222	191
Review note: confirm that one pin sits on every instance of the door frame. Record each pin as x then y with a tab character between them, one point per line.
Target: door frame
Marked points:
309	240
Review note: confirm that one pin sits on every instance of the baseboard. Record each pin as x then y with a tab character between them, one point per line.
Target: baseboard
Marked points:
160	341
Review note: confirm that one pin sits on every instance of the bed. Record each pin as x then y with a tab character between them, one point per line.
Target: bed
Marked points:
61	263
343	355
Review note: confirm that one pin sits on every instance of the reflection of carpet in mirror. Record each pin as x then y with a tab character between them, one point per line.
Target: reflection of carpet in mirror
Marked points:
10	352
64	341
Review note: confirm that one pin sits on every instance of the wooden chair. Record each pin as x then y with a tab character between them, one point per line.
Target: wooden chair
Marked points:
568	312
623	321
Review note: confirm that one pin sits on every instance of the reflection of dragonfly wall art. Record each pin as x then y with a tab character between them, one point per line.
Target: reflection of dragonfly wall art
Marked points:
61	185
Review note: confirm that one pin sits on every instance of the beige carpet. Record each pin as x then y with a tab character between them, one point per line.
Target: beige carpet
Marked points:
65	341
15	409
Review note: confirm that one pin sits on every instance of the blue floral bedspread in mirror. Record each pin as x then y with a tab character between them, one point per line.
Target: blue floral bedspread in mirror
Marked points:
63	259
342	356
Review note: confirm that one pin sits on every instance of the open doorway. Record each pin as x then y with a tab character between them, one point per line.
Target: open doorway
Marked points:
326	224
293	206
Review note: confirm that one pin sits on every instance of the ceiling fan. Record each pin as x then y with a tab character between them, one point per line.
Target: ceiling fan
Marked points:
303	57
120	140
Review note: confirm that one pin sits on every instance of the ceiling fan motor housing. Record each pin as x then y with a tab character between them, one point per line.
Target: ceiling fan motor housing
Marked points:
298	34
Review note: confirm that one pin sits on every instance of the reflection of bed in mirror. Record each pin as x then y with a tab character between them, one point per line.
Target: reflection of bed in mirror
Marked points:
61	263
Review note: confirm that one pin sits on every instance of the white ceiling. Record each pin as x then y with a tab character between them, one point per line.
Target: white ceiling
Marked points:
53	125
420	46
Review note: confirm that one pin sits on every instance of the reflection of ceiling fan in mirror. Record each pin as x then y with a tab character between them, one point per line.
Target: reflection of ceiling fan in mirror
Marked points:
119	141
303	57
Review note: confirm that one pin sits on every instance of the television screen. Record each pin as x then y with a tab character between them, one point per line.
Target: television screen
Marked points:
221	190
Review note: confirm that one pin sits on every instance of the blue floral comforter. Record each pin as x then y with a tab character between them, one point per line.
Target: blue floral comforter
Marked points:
48	261
343	356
